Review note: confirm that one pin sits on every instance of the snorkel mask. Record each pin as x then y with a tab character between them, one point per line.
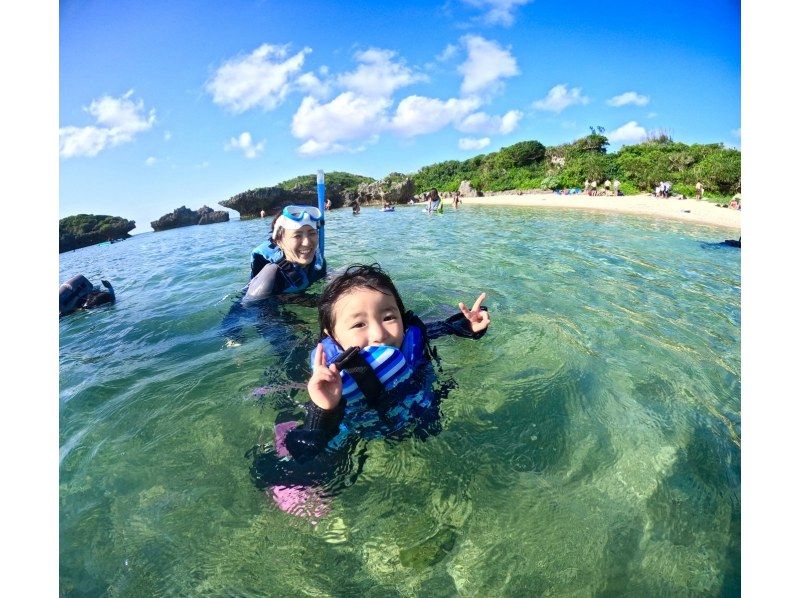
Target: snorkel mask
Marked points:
296	216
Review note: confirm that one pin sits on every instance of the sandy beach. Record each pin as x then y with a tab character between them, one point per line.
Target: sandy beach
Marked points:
687	210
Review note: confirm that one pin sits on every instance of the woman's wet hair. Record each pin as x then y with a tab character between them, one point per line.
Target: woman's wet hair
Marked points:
278	233
357	276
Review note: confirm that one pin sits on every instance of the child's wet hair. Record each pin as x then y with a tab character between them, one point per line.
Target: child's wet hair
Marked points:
357	276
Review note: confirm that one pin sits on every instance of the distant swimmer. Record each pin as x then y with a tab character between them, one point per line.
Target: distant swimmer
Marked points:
79	293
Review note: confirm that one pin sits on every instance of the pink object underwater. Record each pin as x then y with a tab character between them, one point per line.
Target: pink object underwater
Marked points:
300	501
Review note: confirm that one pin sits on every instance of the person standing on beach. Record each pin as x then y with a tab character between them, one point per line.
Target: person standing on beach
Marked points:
594	188
616	187
698	190
586	186
607	186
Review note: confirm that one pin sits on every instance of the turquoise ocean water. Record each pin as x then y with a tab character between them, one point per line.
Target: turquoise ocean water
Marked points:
590	446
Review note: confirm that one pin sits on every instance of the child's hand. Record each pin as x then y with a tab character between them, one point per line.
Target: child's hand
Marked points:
478	318
325	385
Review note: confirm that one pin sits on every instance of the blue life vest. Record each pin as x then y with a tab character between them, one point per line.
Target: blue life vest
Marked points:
390	364
294	274
400	371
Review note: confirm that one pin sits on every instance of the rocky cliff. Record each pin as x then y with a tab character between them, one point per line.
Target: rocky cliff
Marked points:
183	216
389	190
250	203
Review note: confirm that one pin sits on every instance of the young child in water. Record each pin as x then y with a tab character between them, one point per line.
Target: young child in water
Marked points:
368	379
362	310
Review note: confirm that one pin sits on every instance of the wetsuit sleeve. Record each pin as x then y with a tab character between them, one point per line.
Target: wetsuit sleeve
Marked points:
456	324
266	283
320	427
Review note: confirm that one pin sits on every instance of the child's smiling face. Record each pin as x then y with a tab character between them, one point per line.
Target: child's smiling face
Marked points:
364	317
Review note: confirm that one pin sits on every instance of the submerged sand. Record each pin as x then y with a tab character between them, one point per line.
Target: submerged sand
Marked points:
687	210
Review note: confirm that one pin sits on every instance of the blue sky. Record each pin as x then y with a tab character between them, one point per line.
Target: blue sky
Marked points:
188	103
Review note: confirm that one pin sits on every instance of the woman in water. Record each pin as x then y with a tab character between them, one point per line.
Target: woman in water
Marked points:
289	262
434	202
369	380
286	264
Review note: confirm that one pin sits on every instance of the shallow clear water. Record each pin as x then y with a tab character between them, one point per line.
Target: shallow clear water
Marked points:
591	446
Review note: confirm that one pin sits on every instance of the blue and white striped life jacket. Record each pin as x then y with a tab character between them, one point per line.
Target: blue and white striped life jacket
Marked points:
390	364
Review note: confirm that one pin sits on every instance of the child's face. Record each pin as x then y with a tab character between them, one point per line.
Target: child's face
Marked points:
364	317
300	245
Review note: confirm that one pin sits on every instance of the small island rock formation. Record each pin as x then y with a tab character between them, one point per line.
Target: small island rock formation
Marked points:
83	230
183	216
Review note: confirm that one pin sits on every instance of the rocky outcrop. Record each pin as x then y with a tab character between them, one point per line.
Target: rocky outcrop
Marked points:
183	216
250	203
397	192
83	230
209	216
466	190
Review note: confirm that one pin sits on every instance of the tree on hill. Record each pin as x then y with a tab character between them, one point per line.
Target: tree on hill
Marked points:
524	153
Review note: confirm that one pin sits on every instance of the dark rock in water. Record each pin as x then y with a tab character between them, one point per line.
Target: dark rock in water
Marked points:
733	242
83	230
183	216
340	190
250	203
430	551
209	216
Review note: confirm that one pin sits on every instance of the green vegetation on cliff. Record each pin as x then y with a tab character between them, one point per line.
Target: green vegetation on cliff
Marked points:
343	181
88	229
529	165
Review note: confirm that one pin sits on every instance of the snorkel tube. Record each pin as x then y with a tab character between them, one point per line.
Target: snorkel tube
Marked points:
321	206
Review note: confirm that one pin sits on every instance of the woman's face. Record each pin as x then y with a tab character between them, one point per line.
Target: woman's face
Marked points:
299	245
363	317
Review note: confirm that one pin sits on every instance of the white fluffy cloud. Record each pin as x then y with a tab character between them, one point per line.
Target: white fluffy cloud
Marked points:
449	51
486	65
119	120
310	84
348	116
417	115
629	132
470	143
498	12
629	97
262	78
244	142
314	148
363	111
559	97
378	74
151	161
480	122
